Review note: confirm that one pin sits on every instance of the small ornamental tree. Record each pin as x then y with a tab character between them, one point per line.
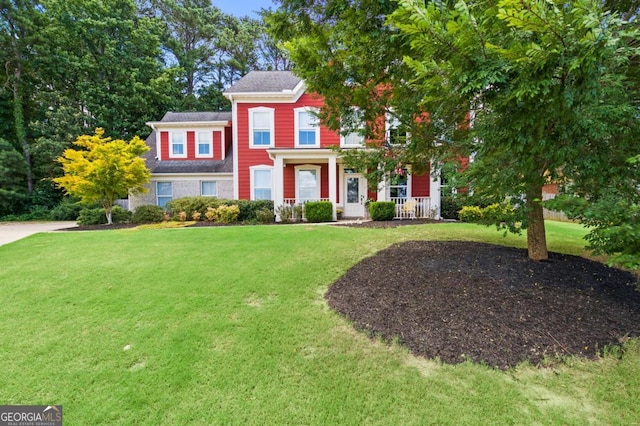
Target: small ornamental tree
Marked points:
104	169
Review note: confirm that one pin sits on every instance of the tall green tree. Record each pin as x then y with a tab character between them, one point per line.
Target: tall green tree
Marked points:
548	85
191	33
13	194
104	169
19	24
530	90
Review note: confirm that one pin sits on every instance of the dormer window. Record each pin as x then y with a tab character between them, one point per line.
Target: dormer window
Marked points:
261	125
178	148
307	127
204	148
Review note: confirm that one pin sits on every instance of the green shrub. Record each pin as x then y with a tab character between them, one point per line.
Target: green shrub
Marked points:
264	215
290	213
382	210
450	206
98	216
249	209
148	214
471	214
318	211
503	215
68	209
189	205
223	214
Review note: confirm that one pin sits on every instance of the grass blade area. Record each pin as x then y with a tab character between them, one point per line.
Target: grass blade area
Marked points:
229	326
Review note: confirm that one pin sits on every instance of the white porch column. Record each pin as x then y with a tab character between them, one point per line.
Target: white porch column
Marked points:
434	192
382	189
333	196
278	184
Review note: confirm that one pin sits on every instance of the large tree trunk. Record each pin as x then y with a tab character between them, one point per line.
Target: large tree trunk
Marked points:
536	236
19	121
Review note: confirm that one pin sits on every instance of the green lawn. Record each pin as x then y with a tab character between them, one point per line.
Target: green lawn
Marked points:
229	326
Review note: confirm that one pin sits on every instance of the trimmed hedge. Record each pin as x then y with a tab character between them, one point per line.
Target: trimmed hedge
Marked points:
148	214
318	211
382	210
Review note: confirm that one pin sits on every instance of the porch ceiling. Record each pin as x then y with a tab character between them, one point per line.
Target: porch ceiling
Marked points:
299	156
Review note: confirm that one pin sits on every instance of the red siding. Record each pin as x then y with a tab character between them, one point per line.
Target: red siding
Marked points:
191	146
289	176
421	185
324	181
164	146
217	145
284	138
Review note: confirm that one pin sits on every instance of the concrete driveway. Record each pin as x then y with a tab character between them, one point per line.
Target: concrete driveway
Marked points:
13	231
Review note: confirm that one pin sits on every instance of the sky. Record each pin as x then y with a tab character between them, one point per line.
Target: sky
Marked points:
243	7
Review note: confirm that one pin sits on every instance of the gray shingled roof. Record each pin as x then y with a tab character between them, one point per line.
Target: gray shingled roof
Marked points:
184	166
187	117
265	82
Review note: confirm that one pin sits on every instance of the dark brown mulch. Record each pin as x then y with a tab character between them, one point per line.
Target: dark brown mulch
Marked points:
460	301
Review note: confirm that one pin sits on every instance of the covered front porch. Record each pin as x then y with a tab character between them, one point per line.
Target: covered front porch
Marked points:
300	176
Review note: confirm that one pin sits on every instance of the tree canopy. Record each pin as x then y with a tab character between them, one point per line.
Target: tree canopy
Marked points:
533	92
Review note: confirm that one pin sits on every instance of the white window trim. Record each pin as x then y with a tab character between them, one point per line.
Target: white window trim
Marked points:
207	195
209	134
272	133
297	129
184	144
252	169
318	170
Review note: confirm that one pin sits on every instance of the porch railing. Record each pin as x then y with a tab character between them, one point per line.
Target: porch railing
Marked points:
414	208
293	209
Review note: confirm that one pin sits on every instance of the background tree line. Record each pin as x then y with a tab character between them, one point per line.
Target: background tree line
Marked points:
70	66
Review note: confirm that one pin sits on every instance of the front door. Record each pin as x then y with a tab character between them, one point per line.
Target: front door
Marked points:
355	191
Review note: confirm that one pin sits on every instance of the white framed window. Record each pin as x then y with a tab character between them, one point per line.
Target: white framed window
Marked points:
204	144
307	127
307	183
350	137
261	127
178	145
164	193
261	182
209	188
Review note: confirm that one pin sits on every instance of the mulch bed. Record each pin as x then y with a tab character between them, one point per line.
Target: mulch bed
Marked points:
460	301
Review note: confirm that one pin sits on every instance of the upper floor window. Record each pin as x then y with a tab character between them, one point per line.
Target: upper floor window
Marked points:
307	127
261	127
204	144
397	132
352	131
178	148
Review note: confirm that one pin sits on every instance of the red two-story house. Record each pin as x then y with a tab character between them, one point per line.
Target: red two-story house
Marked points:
270	146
